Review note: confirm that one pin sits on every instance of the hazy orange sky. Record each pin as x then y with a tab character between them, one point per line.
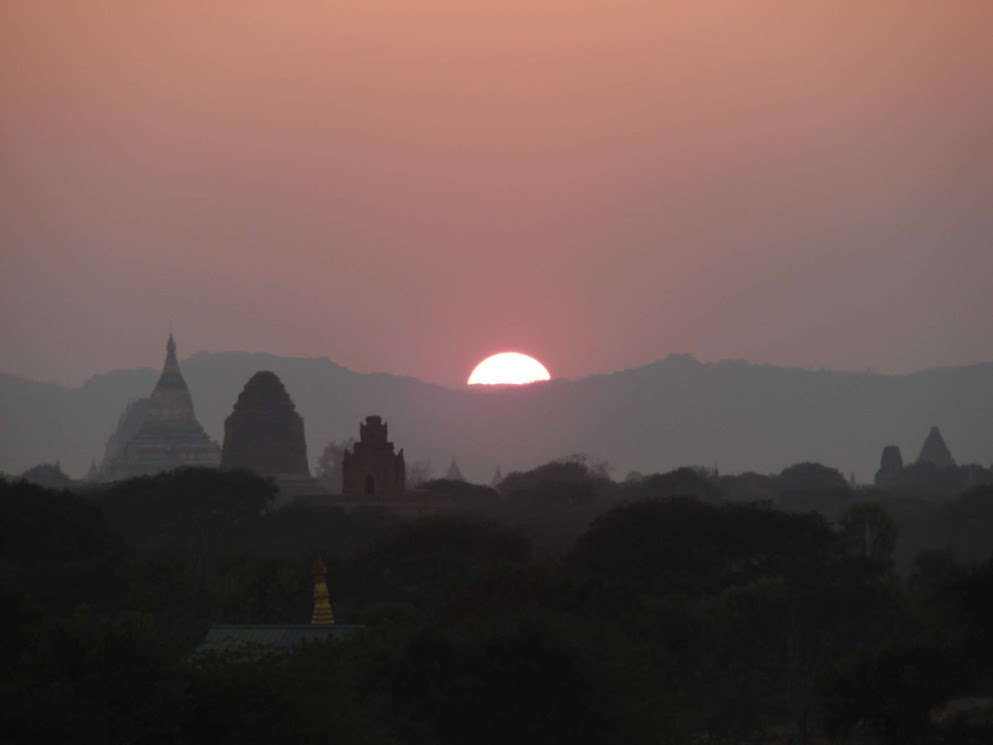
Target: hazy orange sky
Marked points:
410	186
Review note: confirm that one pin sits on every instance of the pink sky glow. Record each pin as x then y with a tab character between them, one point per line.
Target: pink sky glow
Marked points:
409	187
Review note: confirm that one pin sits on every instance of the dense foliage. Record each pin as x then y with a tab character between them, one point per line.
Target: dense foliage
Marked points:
563	607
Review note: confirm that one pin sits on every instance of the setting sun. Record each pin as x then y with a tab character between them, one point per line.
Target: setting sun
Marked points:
508	368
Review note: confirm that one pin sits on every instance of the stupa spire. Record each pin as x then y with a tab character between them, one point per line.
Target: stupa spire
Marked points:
454	472
170	360
171	377
322	603
160	432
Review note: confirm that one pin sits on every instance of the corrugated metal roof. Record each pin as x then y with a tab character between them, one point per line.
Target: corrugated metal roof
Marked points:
230	637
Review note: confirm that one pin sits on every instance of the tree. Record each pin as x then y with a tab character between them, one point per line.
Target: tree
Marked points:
92	678
682	482
890	686
196	509
419	472
868	531
573	470
518	681
329	464
805	477
417	560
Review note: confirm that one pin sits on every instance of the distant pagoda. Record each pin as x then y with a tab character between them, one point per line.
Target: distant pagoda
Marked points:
935	451
454	472
372	471
323	615
264	433
160	433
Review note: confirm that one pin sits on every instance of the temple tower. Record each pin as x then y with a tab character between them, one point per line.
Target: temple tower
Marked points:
264	432
161	432
935	451
454	472
890	466
372	471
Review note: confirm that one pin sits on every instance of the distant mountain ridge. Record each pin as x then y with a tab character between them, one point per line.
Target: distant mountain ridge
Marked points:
734	415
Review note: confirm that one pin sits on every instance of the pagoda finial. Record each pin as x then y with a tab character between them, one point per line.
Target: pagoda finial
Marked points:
171	377
322	604
454	472
170	360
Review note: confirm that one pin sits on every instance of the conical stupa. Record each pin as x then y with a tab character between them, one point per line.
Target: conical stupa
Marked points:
166	433
935	451
322	615
454	472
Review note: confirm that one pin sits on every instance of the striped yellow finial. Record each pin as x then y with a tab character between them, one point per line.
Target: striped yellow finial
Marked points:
322	603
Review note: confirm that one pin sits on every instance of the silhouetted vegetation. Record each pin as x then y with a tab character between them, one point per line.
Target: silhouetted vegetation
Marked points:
563	607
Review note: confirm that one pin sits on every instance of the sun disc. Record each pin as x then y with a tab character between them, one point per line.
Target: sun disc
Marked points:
511	368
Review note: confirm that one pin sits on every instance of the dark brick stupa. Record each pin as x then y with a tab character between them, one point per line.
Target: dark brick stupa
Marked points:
372	471
454	473
264	433
890	466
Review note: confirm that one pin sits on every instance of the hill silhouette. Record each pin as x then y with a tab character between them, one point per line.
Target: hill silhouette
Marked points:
676	411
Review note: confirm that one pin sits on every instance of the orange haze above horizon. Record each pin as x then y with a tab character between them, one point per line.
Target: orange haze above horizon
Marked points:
404	186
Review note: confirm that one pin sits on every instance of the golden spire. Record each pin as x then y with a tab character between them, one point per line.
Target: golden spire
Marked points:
322	604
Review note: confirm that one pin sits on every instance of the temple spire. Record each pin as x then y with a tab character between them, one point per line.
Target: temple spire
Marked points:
935	451
454	472
171	376
170	360
322	603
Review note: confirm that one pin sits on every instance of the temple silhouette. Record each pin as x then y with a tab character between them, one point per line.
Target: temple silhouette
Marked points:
372	470
159	433
265	434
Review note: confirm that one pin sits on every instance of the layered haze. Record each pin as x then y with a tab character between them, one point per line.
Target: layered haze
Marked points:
677	411
409	187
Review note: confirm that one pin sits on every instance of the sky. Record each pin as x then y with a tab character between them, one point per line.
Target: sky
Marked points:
408	187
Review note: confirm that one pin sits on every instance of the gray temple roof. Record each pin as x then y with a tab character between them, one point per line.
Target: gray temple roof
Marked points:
237	637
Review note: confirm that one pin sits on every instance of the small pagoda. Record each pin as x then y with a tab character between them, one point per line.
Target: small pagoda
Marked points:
261	637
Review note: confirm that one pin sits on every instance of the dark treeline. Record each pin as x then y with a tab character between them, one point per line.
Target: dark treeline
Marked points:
683	607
